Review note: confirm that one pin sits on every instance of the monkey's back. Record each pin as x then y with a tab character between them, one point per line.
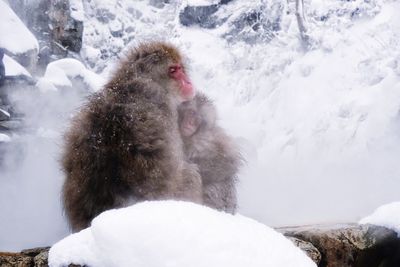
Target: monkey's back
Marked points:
115	150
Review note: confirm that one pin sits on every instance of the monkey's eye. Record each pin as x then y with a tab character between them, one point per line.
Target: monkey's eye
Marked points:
174	69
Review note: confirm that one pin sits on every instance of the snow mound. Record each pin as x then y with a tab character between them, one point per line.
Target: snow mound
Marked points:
76	8
4	138
387	215
201	2
61	72
176	234
15	37
13	68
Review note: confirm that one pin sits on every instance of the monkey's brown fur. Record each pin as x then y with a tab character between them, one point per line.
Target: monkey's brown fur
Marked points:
124	146
213	151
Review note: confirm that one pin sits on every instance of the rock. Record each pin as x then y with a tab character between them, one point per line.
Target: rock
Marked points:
159	3
202	16
4	115
104	15
15	259
36	257
41	259
251	25
256	25
66	30
58	32
10	125
308	248
15	77
15	73
69	73
16	40
351	244
116	28
2	68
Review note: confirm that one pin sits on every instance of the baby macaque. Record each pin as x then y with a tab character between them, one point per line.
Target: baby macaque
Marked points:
214	152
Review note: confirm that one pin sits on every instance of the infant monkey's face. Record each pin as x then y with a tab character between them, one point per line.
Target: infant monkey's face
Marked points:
190	120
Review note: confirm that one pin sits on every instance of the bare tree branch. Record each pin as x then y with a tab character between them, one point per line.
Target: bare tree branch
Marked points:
300	23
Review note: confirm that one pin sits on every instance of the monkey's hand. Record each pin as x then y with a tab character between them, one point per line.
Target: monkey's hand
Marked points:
191	185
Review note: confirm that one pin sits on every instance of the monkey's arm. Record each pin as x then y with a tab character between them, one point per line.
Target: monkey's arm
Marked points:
221	195
218	160
155	152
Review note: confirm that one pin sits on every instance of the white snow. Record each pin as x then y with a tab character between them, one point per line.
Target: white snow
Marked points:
60	73
176	234
76	8
201	2
15	37
4	138
13	68
387	215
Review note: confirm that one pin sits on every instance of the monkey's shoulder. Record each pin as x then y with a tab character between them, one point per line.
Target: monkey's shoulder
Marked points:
134	90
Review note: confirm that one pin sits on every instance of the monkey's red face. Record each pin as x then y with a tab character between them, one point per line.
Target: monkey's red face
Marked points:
177	73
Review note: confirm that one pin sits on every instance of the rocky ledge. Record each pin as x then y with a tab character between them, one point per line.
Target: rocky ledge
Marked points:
346	245
36	257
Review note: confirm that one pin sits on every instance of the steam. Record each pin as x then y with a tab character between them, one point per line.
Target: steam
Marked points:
30	178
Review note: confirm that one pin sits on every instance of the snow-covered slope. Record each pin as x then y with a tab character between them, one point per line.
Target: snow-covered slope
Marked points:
319	128
176	234
15	37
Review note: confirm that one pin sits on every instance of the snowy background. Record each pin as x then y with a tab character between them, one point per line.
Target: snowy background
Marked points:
319	126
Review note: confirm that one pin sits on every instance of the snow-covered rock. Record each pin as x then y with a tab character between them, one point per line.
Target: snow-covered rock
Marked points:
349	245
13	68
386	215
253	22
76	9
176	234
16	38
57	26
4	115
61	73
4	138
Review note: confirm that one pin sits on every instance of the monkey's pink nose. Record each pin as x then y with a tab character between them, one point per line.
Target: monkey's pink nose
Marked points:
186	88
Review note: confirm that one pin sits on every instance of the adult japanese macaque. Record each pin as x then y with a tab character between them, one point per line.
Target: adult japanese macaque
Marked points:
212	150
124	145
